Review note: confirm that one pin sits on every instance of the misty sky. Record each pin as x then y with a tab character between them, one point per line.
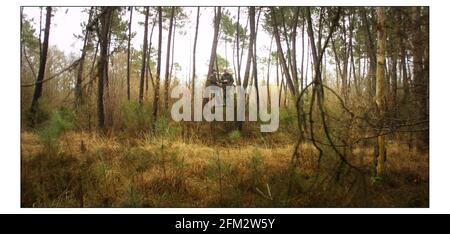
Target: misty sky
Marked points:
66	22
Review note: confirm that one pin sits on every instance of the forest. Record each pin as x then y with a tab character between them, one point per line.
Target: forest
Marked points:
346	87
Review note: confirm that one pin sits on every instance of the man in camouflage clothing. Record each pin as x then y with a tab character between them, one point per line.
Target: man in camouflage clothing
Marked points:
226	80
212	79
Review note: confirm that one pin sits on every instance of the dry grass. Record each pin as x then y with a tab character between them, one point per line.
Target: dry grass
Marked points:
88	170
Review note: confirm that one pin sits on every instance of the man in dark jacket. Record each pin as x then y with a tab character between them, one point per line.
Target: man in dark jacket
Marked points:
226	80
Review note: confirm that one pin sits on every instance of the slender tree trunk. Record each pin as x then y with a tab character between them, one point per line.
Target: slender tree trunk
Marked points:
418	54
339	74
43	60
40	31
173	49
303	53
394	79
371	52
105	21
250	50
78	85
294	48
167	73
22	47
281	54
352	58
242	49
345	75
194	53
238	73
128	54
288	47
255	64
149	58
144	57
213	55
420	69
148	72
158	70
380	95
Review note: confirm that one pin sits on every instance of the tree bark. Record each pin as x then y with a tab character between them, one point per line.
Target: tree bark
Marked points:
294	48
158	70
255	64
128	54
78	85
194	52
42	63
281	54
104	27
238	73
380	94
371	52
167	74
212	57
144	57
149	53
250	52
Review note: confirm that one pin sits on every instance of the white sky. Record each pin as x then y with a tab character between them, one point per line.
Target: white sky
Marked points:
66	22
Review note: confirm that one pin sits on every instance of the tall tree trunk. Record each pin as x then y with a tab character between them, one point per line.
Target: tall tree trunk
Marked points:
78	85
238	73
339	74
194	53
418	52
42	62
345	75
167	74
380	94
149	59
284	65
255	64
105	22
144	57
352	58
173	49
394	79
158	70
371	52
213	55
420	77
294	48
242	49
303	53
250	52
128	54
287	41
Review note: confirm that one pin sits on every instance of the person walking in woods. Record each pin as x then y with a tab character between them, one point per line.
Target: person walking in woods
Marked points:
226	80
212	79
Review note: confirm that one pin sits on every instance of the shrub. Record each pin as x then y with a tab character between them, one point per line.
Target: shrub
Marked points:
60	121
136	118
288	119
42	115
234	136
255	166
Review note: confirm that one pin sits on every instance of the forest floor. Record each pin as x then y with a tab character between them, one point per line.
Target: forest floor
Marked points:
86	170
